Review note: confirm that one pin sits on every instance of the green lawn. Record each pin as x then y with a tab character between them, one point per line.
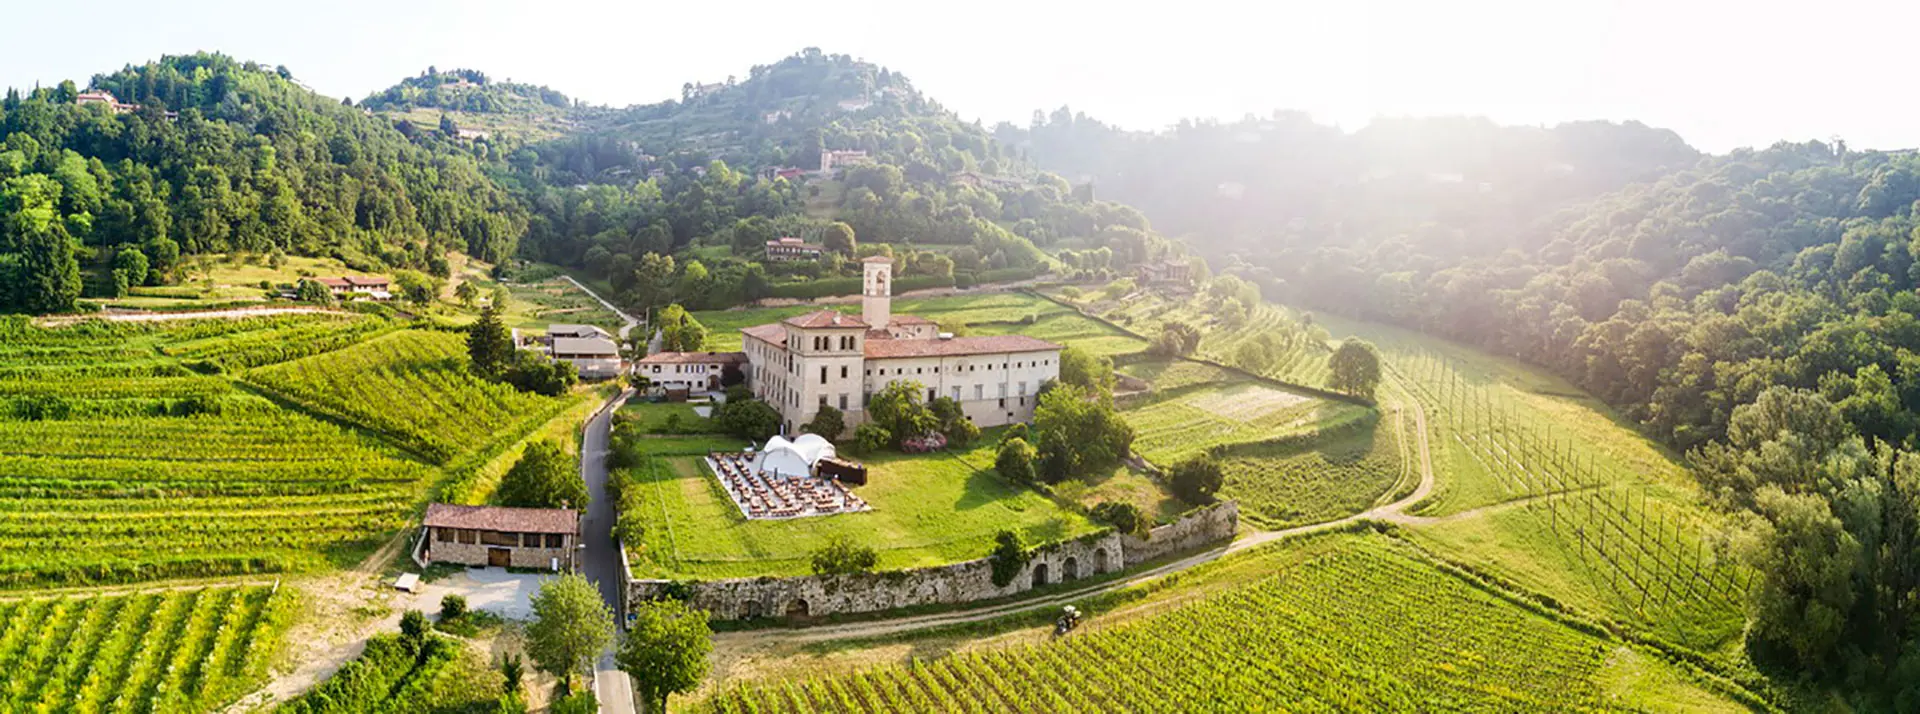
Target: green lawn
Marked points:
1342	473
1168	375
654	418
928	509
1174	425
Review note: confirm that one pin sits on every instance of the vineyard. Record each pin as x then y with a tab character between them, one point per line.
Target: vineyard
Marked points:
1171	426
412	386
393	674
176	651
1339	470
1368	627
1270	341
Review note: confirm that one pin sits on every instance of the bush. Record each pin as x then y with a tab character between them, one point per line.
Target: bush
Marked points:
871	438
544	477
749	419
581	702
1124	517
413	626
452	607
1196	480
1019	430
829	423
1009	557
841	556
1015	462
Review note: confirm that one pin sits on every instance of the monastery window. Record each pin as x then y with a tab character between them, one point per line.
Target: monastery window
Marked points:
843	401
919	370
932	394
843	371
979	391
936	370
956	394
869	372
444	535
1003	393
1023	389
823	375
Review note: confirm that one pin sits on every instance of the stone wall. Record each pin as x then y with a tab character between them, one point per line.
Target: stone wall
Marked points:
817	595
519	556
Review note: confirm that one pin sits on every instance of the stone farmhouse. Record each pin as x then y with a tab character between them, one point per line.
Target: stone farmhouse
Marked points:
544	538
827	358
790	248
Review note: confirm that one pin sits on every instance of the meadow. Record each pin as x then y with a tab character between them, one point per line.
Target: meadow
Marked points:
173	651
1289	349
1335	623
928	509
1346	466
1173	425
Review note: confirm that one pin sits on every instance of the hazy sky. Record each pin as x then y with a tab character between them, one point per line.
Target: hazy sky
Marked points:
1723	74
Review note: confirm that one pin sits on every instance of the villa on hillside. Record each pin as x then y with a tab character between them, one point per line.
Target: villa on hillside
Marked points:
790	248
830	159
501	537
351	286
828	358
692	371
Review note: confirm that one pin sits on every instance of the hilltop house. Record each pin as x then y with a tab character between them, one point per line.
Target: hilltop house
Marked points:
105	98
829	159
1166	272
791	248
502	537
827	358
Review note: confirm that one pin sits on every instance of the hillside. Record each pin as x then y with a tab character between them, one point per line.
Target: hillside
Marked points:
478	107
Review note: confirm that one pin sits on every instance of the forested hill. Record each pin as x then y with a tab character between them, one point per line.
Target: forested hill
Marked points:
220	155
466	90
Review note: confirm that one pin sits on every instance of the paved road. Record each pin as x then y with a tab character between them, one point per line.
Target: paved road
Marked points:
601	561
624	317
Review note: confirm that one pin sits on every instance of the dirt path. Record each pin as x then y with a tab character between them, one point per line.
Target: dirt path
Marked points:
629	320
235	313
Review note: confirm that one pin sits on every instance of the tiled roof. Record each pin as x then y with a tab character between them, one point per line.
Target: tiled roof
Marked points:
770	332
993	344
585	346
503	519
561	329
876	259
826	318
908	320
695	358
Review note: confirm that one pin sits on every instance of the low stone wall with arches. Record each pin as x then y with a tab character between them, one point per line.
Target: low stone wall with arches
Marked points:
804	597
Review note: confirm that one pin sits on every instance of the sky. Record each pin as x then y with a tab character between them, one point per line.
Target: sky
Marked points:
1722	74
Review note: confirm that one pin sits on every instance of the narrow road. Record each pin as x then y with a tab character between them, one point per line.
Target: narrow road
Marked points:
1392	512
601	559
624	317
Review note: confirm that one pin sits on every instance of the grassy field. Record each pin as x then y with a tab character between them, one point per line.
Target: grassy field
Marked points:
1167	375
219	278
1333	623
175	651
666	418
928	509
1290	353
1351	468
1174	425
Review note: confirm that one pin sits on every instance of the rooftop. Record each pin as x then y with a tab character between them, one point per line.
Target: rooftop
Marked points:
876	259
503	519
695	358
562	329
826	318
585	346
348	281
992	344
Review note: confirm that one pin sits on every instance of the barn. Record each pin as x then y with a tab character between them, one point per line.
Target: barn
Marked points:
542	538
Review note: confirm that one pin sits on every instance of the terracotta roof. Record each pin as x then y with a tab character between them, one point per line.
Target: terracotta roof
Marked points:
825	318
770	332
503	519
908	320
694	358
876	259
347	281
994	344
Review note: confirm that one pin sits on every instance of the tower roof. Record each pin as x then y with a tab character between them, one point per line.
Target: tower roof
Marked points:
825	318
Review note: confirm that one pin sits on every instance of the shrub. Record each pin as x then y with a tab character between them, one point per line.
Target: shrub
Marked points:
581	702
1009	557
841	556
1015	462
1124	517
413	625
1197	479
829	423
452	607
871	438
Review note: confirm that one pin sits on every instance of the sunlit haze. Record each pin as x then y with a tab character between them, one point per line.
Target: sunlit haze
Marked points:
1723	74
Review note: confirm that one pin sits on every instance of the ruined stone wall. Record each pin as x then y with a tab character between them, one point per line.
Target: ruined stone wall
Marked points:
818	595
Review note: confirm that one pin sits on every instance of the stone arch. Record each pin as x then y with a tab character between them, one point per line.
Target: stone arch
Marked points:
797	609
755	609
1039	574
1070	569
1099	561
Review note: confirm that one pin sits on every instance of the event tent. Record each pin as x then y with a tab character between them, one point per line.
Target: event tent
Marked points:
793	458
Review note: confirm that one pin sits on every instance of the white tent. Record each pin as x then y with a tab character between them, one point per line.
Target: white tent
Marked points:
793	458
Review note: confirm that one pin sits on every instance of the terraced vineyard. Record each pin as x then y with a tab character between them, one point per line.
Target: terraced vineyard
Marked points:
410	385
1368	627
1287	348
177	651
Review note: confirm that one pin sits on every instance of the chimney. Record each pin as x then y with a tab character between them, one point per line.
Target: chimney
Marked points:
876	295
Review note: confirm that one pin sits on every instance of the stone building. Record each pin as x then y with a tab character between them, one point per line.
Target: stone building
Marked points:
544	538
828	358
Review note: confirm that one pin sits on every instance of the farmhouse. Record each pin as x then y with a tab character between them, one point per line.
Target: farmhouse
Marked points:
1166	272
582	331
594	357
830	159
351	286
502	537
827	358
692	371
790	248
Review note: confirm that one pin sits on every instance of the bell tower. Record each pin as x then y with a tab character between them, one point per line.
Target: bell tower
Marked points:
876	295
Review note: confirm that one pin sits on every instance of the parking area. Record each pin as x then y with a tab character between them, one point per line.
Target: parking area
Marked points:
509	595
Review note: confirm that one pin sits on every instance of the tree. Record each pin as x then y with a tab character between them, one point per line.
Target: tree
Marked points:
870	438
1087	370
530	372
1009	557
1015	461
1197	479
841	556
414	627
665	650
897	408
1123	516
314	292
829	423
544	477
416	287
749	419
838	237
571	625
447	127
132	262
679	332
1078	434
489	346
1176	339
466	292
452	607
1355	368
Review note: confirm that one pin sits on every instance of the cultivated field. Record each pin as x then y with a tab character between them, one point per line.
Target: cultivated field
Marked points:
1289	350
175	651
1174	425
1345	466
928	509
1357	623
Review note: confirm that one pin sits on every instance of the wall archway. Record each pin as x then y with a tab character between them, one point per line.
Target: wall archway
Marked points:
1070	569
1039	574
755	609
1100	561
797	609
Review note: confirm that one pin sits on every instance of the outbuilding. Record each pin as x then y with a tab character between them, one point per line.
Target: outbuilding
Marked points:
543	538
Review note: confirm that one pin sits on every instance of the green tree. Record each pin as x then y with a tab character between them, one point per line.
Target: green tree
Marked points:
871	438
1123	516
749	419
416	287
679	332
1078	434
544	477
1197	479
489	345
571	625
838	237
1015	461
314	292
132	262
414	627
829	423
1355	368
1087	370
841	556
1176	339
530	372
466	293
1009	557
665	650
898	408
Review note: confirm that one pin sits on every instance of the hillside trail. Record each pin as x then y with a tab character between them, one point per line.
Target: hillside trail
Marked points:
1394	512
629	322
